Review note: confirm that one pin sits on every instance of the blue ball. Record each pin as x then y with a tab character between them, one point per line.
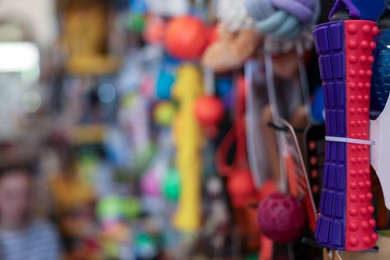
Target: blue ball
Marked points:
224	86
164	84
224	89
318	106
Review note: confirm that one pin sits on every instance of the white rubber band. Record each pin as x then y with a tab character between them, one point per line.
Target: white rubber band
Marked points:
349	140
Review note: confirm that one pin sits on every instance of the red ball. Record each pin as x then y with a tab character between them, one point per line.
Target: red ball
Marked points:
186	37
241	187
209	110
281	217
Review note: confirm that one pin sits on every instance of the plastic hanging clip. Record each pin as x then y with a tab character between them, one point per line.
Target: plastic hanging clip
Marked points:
349	140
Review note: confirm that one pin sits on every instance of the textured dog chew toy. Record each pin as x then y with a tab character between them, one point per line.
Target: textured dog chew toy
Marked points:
188	143
345	221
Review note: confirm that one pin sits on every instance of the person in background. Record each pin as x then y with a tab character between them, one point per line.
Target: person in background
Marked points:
21	236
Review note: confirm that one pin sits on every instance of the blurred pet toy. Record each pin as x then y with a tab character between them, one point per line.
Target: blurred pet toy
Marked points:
163	113
209	109
189	142
233	15
281	19
237	38
240	184
133	117
169	8
156	172
154	30
114	213
85	34
165	82
286	22
186	37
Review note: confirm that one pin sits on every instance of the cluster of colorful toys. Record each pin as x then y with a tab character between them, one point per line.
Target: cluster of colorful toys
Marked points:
197	129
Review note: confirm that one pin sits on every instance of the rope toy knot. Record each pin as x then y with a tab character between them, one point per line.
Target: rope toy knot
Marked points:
283	19
233	14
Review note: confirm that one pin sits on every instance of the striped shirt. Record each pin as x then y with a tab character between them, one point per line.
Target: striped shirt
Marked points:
39	241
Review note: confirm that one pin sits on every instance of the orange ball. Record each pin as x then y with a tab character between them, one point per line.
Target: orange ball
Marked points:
186	37
241	187
209	110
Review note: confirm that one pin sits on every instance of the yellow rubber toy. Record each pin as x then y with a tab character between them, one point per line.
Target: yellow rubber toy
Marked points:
189	142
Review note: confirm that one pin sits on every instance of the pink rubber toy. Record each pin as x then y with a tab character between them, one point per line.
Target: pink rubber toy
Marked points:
281	217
